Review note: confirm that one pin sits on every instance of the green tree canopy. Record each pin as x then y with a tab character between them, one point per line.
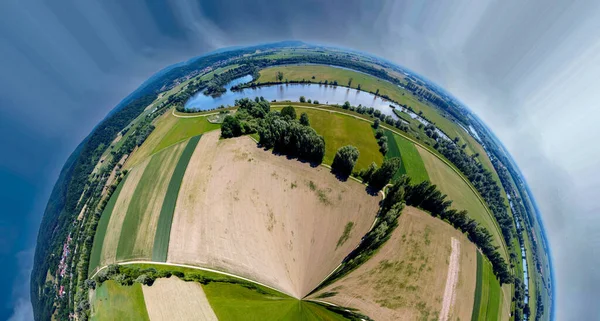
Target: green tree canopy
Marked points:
344	160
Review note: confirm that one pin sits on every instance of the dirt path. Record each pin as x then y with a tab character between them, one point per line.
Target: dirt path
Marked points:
451	280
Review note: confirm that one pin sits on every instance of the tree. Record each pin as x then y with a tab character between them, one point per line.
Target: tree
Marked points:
304	119
377	92
344	160
302	99
376	123
350	82
385	173
346	105
280	76
288	111
358	87
231	127
379	133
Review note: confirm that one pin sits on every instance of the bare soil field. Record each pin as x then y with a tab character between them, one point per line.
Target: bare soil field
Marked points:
246	211
406	279
174	299
113	231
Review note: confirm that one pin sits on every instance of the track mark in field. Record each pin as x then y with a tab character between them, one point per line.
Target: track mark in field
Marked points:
451	280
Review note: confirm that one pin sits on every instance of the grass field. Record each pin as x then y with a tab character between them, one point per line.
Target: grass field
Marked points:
102	227
488	294
340	130
140	224
412	164
463	198
163	228
169	131
115	302
371	84
234	302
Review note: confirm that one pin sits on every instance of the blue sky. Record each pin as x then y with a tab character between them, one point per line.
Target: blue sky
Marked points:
530	70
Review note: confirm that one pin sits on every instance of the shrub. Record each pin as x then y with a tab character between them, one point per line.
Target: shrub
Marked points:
344	160
304	119
288	111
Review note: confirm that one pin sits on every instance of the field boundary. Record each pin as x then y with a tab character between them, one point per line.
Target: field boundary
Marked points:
196	268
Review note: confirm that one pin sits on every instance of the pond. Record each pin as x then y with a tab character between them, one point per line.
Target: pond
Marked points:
325	94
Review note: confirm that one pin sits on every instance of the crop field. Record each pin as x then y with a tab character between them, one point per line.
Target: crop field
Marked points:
173	299
412	164
488	294
339	130
406	278
169	131
247	211
463	198
103	226
371	84
107	245
114	302
163	228
140	224
234	302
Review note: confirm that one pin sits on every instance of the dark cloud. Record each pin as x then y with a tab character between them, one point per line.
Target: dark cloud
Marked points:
526	68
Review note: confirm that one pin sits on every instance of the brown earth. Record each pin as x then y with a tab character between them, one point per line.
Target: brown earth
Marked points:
405	279
277	221
174	299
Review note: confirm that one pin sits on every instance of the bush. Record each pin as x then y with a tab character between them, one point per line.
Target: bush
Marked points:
302	99
288	111
379	133
376	123
231	127
304	119
344	160
384	174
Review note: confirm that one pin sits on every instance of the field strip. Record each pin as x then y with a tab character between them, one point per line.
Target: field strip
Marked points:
196	268
451	280
165	219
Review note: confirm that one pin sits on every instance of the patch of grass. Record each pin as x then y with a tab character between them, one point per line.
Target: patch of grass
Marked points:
101	228
115	302
234	302
163	228
321	194
412	164
183	129
340	130
488	293
346	234
462	196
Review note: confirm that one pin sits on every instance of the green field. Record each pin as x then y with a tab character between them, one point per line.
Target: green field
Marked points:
463	197
183	129
488	294
339	130
101	228
371	84
138	227
115	302
412	164
235	302
163	229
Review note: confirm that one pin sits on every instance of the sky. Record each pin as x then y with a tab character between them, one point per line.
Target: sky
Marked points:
530	70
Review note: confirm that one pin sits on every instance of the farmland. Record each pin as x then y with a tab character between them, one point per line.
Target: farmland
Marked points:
170	130
139	226
339	130
405	279
412	164
462	196
114	302
174	299
277	221
488	294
